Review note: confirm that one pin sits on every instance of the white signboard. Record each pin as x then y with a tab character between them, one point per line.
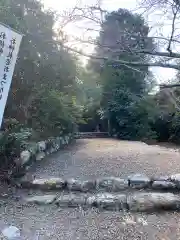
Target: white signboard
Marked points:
9	48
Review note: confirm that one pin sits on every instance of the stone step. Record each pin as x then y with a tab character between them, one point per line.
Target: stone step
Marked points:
140	202
81	135
106	184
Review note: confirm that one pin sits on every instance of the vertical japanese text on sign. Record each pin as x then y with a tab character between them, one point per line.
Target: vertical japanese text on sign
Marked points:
7	63
2	39
9	46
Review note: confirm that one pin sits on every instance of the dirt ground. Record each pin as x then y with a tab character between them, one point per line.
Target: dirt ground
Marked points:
94	158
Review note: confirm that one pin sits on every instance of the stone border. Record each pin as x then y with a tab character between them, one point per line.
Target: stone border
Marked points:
138	202
38	151
107	184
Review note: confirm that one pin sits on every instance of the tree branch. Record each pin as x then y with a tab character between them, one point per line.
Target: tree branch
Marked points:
173	99
140	51
162	86
159	54
121	62
173	28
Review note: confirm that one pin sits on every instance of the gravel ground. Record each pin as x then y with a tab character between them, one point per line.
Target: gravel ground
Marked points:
93	158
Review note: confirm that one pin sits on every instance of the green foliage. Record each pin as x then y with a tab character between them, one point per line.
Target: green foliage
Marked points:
130	116
57	114
175	128
12	142
167	120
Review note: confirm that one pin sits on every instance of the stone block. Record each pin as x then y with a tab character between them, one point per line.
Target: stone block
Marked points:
71	200
49	184
153	202
82	186
41	146
25	157
108	201
40	156
111	184
44	199
139	181
163	185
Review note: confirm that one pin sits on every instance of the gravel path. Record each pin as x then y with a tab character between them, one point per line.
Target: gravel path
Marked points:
90	159
93	158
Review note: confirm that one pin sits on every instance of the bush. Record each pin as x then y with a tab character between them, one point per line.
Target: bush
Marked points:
54	114
131	116
12	141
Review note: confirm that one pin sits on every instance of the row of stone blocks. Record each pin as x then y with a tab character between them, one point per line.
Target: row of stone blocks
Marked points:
140	202
37	151
82	193
107	184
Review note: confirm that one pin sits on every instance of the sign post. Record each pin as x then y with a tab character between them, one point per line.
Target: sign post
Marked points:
10	42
